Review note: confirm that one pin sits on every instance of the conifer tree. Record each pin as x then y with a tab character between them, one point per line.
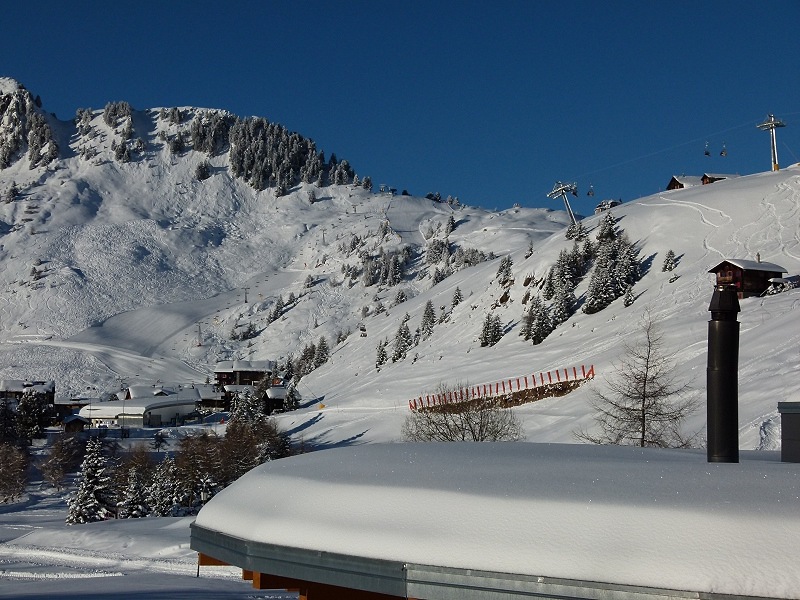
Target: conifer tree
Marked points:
563	303
381	355
669	261
134	502
428	320
491	331
402	341
87	504
162	493
504	275
321	353
457	297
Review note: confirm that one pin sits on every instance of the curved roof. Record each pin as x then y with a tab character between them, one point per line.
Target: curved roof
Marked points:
618	515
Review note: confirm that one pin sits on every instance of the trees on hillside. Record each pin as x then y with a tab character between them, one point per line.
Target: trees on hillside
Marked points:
643	404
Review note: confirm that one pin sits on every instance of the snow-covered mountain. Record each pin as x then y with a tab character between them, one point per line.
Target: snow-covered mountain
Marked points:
115	266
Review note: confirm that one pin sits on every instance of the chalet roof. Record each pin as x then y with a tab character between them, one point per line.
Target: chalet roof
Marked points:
750	265
721	175
232	366
688	180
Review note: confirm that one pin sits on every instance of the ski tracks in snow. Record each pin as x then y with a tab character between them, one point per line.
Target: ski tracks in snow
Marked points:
36	562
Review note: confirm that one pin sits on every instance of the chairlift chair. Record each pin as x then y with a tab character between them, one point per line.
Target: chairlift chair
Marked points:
724	151
707	151
591	190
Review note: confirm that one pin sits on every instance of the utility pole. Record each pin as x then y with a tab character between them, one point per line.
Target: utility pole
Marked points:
770	125
245	295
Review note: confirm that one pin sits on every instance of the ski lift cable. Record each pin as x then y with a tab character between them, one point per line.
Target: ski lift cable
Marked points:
669	149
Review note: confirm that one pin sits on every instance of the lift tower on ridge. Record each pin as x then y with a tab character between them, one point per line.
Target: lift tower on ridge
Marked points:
769	125
561	189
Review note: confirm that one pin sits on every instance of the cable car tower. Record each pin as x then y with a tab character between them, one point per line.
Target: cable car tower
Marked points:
561	189
770	125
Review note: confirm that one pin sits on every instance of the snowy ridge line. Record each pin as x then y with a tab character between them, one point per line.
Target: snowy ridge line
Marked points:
486	391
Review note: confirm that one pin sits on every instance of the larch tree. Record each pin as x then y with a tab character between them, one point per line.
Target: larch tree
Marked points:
643	403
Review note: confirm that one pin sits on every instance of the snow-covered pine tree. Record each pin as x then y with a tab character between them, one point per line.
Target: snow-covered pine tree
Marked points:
504	276
669	261
162	493
628	297
541	322
402	341
601	292
457	297
381	355
134	501
399	297
86	504
428	320
562	305
607	230
321	353
548	285
450	226
491	331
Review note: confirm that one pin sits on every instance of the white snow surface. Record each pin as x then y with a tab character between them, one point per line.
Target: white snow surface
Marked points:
625	515
41	557
131	258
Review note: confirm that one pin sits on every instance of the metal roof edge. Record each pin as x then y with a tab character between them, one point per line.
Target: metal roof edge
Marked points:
410	580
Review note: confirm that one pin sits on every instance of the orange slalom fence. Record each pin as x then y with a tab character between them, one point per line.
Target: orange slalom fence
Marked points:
485	391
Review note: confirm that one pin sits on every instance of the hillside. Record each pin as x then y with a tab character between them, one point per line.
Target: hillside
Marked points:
113	270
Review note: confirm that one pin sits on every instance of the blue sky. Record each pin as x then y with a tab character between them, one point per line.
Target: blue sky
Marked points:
488	101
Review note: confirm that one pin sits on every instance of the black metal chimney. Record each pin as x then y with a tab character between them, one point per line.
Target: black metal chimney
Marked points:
722	376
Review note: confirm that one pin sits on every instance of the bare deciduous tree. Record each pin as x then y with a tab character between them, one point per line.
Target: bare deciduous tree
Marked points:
459	422
643	405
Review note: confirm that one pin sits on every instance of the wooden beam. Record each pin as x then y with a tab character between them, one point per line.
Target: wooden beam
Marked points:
204	560
310	590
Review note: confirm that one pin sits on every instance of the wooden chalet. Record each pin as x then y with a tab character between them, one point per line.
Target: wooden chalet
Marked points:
243	372
679	182
751	277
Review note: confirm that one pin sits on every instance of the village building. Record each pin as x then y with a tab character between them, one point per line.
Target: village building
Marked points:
154	405
243	372
679	182
606	205
12	390
751	277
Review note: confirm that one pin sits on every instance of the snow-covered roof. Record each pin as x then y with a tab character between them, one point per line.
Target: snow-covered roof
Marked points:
231	366
720	175
688	180
240	389
139	405
143	392
617	515
751	265
20	385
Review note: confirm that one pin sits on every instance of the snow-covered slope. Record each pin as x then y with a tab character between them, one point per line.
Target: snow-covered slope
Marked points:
113	271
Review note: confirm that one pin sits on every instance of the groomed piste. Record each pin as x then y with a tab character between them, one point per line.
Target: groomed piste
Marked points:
507	520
